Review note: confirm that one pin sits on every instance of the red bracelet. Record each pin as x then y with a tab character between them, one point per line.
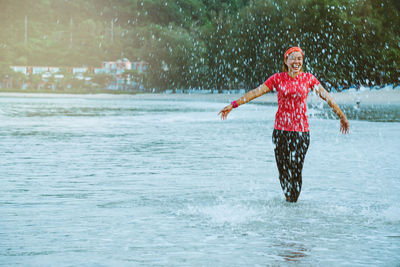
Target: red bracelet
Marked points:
234	104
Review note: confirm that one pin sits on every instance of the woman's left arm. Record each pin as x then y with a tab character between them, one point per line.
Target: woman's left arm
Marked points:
344	123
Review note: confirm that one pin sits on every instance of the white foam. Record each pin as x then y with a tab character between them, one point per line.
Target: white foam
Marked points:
392	214
225	213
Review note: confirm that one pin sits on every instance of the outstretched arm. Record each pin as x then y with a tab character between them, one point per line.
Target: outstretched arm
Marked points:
344	123
259	91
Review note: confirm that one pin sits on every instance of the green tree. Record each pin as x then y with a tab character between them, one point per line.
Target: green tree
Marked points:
208	43
175	57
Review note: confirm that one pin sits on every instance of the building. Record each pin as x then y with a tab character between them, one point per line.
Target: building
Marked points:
114	68
35	69
117	69
119	66
110	67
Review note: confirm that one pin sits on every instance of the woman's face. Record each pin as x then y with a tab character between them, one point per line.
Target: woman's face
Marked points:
294	61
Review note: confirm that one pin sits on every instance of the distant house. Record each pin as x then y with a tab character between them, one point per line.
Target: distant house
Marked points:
35	69
118	67
110	67
21	69
78	70
113	68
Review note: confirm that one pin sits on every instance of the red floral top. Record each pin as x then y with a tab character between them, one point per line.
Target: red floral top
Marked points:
292	100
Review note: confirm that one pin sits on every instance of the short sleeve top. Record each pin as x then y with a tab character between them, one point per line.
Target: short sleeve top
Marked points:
292	100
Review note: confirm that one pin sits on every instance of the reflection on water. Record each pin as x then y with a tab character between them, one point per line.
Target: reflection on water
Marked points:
292	252
154	181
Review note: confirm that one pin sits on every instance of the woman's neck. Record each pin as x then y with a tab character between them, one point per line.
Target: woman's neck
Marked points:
293	74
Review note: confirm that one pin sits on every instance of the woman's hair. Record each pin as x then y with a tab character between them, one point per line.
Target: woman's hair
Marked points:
285	67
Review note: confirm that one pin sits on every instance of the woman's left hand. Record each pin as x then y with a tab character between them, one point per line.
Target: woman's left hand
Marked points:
344	125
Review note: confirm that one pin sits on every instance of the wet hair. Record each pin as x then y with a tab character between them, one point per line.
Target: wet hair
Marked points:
285	67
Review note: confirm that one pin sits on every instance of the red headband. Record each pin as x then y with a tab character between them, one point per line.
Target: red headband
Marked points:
293	49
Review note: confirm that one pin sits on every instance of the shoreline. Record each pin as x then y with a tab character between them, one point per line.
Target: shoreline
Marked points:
383	96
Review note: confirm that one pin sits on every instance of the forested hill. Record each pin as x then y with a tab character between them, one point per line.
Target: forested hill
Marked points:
208	43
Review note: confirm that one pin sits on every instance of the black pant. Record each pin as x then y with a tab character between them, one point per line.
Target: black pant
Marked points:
290	151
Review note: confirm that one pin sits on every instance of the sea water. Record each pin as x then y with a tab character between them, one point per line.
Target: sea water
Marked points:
162	181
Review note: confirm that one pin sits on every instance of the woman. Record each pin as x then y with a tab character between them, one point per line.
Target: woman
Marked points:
291	131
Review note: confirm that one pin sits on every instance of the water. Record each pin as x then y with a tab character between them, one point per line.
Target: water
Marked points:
161	181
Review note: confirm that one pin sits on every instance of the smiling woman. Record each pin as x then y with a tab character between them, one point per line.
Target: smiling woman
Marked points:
291	131
294	61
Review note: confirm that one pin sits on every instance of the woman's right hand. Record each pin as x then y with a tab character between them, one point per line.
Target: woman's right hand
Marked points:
344	125
225	111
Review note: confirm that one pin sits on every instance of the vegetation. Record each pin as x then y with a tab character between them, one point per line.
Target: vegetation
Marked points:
219	44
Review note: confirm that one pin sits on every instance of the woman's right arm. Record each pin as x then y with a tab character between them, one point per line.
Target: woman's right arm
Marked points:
259	91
